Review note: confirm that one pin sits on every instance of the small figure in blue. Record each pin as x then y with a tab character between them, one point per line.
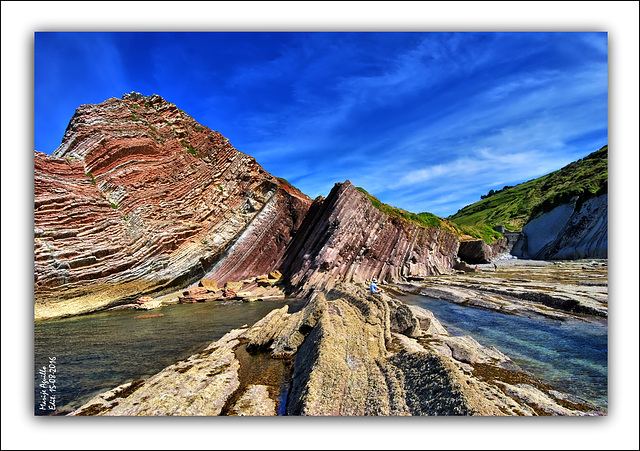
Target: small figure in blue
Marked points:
374	286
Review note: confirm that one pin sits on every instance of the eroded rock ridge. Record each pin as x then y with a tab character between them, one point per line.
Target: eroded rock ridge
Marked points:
347	352
345	238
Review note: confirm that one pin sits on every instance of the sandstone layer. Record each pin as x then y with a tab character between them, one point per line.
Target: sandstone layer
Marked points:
140	198
345	353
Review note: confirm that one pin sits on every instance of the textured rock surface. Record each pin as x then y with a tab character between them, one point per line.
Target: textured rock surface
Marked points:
140	198
199	385
342	354
345	238
255	402
554	290
477	251
569	232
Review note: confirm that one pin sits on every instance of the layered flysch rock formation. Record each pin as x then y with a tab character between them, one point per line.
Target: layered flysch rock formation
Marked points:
140	198
568	232
345	237
345	353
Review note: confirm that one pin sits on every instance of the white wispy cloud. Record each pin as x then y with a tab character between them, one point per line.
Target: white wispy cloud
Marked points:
407	116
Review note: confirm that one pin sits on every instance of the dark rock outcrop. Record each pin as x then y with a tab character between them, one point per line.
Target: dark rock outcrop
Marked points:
477	251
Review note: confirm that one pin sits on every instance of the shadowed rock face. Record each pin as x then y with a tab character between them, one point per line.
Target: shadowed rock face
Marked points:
345	238
477	251
139	198
569	232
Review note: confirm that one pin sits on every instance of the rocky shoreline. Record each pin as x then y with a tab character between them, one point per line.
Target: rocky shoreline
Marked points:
347	352
559	290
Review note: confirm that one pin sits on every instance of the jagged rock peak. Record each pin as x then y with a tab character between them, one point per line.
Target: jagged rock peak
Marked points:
346	238
140	198
96	130
137	97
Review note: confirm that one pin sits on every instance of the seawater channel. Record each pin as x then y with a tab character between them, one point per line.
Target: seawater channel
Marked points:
570	355
97	352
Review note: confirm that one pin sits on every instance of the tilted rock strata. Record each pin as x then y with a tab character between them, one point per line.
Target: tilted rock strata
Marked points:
346	359
569	232
140	198
345	238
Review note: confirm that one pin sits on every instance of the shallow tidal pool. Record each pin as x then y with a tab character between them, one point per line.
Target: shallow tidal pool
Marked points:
97	352
569	355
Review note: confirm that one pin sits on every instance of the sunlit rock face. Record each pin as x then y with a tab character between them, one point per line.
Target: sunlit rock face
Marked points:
346	353
345	238
141	198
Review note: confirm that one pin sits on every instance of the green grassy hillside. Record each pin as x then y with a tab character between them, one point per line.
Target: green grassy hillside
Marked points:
514	206
426	219
421	219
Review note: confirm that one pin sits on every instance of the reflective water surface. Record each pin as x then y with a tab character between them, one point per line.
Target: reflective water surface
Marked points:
570	355
97	352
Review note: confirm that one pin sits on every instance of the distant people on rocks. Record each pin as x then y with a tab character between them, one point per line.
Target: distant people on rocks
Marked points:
476	267
374	286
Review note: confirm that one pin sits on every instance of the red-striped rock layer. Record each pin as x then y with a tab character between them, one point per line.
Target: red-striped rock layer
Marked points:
140	198
346	238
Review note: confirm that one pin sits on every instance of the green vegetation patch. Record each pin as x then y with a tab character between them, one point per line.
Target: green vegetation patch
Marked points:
190	148
422	219
481	232
514	206
285	181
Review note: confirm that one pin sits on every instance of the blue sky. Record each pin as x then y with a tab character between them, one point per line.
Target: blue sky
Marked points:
424	121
